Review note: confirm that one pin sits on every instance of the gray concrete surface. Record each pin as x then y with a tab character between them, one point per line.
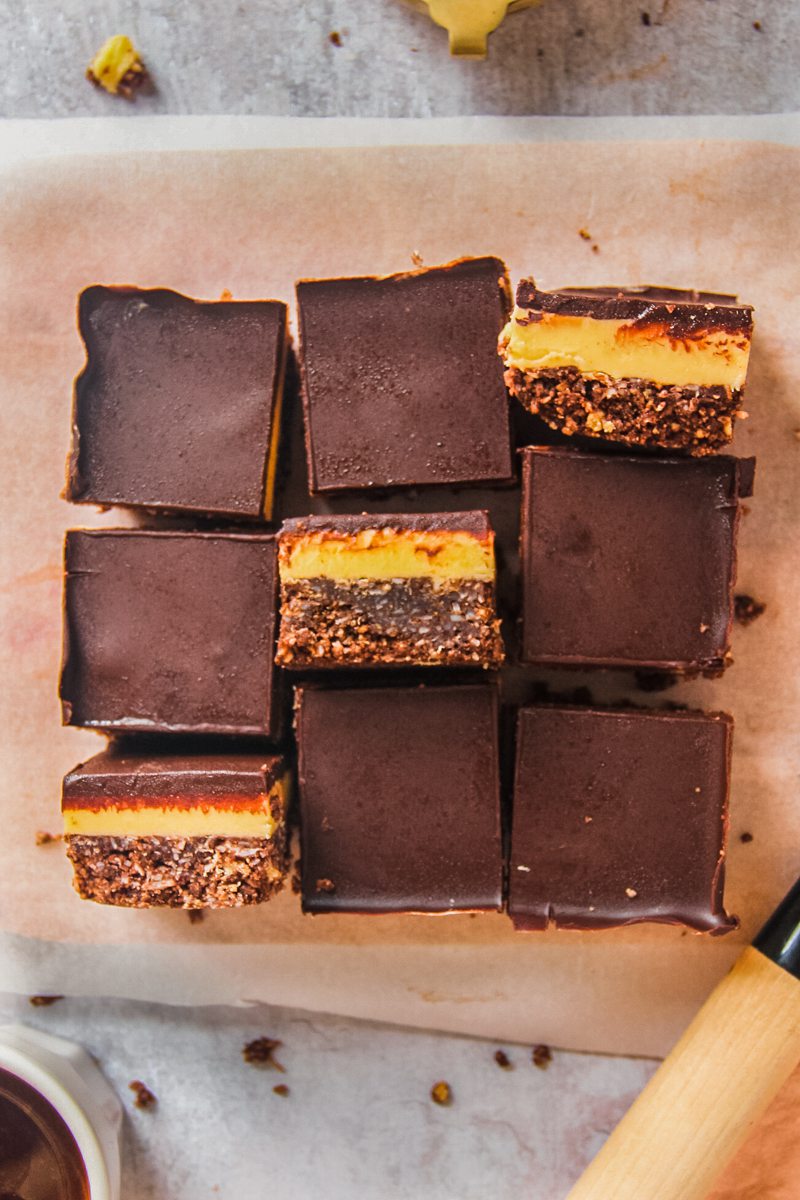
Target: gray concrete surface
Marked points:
572	57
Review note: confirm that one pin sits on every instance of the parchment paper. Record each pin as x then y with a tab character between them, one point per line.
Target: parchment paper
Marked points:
718	214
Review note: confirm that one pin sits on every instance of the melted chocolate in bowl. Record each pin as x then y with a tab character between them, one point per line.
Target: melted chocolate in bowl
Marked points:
39	1157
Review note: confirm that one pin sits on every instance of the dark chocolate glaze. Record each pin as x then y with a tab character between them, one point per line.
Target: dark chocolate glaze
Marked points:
112	776
681	312
399	799
609	803
476	523
175	406
170	632
629	561
402	384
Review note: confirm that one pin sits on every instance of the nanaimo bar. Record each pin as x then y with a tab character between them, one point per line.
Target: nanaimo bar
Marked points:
183	831
380	590
653	367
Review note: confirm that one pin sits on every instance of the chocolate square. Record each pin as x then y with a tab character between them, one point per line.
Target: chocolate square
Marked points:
170	632
399	799
178	406
629	562
619	817
402	384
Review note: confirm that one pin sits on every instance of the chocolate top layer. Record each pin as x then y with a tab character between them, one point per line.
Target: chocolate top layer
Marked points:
170	632
175	406
476	523
629	561
619	816
111	776
682	313
402	382
399	799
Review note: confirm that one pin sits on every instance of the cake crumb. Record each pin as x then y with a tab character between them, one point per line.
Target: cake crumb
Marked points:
281	1089
502	1060
117	68
225	295
757	26
195	915
326	885
541	1056
44	1001
644	17
335	38
442	1093
746	609
631	893
745	837
143	1097
43	838
262	1050
584	233
417	258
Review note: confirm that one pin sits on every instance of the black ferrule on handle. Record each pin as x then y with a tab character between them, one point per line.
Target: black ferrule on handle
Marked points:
780	937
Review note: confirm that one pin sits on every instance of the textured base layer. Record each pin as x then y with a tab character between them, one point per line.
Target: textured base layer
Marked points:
198	872
637	412
379	622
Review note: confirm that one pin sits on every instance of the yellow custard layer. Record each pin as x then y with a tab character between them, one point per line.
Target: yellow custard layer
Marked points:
625	351
165	820
387	554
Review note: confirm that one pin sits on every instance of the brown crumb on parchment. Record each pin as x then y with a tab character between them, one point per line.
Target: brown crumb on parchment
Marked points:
195	915
335	38
757	26
746	609
143	1097
644	17
281	1089
44	1001
325	885
541	1056
417	258
584	233
226	294
296	883
745	837
502	1060
118	68
43	838
442	1093
262	1052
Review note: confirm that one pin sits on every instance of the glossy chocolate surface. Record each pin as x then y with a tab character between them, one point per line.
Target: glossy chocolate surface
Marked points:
629	561
399	799
175	407
170	632
402	382
117	775
679	312
619	817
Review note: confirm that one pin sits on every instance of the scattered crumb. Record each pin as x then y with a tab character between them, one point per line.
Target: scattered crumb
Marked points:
757	25
704	628
118	68
442	1093
584	233
281	1089
335	38
43	838
261	1050
588	820
326	885
746	609
579	32
195	915
44	1001
417	258
644	17
143	1097
541	1056
226	294
502	1060
521	868
745	837
631	893
595	248
655	681
296	883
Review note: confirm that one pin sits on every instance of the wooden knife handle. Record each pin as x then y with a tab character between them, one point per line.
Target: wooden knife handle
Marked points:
702	1101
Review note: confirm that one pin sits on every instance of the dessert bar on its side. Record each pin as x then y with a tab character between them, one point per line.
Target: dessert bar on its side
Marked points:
178	830
654	367
388	591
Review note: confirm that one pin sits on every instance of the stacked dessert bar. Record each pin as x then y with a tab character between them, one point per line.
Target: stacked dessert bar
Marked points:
376	611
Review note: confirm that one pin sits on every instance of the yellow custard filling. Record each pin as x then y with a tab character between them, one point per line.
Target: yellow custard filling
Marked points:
624	351
387	554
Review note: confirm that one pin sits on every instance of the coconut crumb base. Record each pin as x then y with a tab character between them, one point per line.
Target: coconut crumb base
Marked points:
637	412
176	872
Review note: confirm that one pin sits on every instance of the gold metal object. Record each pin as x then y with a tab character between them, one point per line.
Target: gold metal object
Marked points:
469	22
